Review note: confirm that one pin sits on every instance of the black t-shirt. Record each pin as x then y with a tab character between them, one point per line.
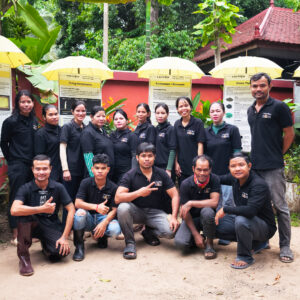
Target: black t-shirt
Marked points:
190	191
135	179
266	133
17	138
165	142
70	134
145	133
219	147
124	142
31	195
96	141
90	193
251	199
187	139
47	141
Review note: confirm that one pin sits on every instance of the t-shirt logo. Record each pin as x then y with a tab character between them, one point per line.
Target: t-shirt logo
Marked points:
158	183
225	136
207	190
266	116
143	135
245	195
106	197
124	140
162	134
43	197
190	132
35	127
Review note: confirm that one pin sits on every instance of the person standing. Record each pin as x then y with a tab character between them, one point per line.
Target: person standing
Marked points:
145	131
47	140
272	134
125	143
190	137
17	145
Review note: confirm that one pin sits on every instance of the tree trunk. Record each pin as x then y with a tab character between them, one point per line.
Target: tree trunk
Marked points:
105	34
148	30
218	52
154	15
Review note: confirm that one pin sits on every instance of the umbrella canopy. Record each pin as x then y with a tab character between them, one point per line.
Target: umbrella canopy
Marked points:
10	54
246	65
170	66
297	72
104	1
78	65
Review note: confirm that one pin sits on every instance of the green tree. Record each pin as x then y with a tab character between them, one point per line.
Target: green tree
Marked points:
219	23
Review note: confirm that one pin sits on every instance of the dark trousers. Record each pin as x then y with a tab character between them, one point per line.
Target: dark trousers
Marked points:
18	173
205	222
47	232
245	231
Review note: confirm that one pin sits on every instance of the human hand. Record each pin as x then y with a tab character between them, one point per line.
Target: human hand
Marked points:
219	215
199	241
102	208
177	169
100	230
185	209
67	175
147	190
174	224
64	248
48	207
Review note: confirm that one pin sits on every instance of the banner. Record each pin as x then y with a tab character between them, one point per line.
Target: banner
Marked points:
167	89
237	99
5	94
77	87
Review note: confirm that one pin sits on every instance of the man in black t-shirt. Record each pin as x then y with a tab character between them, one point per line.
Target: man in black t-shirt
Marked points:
199	197
36	205
253	222
96	207
272	133
141	197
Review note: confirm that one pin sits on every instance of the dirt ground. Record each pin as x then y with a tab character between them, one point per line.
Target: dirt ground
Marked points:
160	272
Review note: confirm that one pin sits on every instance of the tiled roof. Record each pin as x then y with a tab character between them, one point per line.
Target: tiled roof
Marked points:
276	25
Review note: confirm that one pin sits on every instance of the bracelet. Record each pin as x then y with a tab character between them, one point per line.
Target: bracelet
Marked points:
97	207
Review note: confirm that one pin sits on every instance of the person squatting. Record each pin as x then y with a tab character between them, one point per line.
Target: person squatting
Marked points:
154	176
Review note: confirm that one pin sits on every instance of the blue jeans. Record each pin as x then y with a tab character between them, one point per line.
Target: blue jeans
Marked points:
89	221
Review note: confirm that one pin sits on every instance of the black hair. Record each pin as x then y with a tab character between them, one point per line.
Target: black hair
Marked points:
17	100
220	104
46	108
41	157
121	112
101	159
187	99
202	157
147	108
242	155
163	105
96	109
145	147
77	103
258	76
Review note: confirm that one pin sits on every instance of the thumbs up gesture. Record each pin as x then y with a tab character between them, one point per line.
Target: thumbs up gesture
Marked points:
48	207
102	208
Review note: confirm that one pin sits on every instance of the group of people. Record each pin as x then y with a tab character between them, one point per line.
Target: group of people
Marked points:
106	183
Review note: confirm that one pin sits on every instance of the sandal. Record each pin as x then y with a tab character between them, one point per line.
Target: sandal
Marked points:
150	238
286	252
210	249
245	266
129	252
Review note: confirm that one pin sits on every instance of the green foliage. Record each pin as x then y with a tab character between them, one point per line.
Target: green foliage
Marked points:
203	114
295	219
292	165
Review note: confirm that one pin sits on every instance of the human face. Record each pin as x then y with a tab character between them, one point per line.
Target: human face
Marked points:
25	105
216	114
100	171
260	89
120	121
161	115
41	170
202	170
239	168
79	113
142	114
99	119
184	108
52	117
146	160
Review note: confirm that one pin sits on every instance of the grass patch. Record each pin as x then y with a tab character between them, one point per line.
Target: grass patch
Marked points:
295	219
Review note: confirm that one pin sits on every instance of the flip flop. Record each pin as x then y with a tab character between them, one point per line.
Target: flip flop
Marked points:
285	251
242	266
150	238
209	249
130	248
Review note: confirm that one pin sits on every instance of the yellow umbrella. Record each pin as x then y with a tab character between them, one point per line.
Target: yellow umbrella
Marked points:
297	72
78	65
246	65
10	54
170	66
